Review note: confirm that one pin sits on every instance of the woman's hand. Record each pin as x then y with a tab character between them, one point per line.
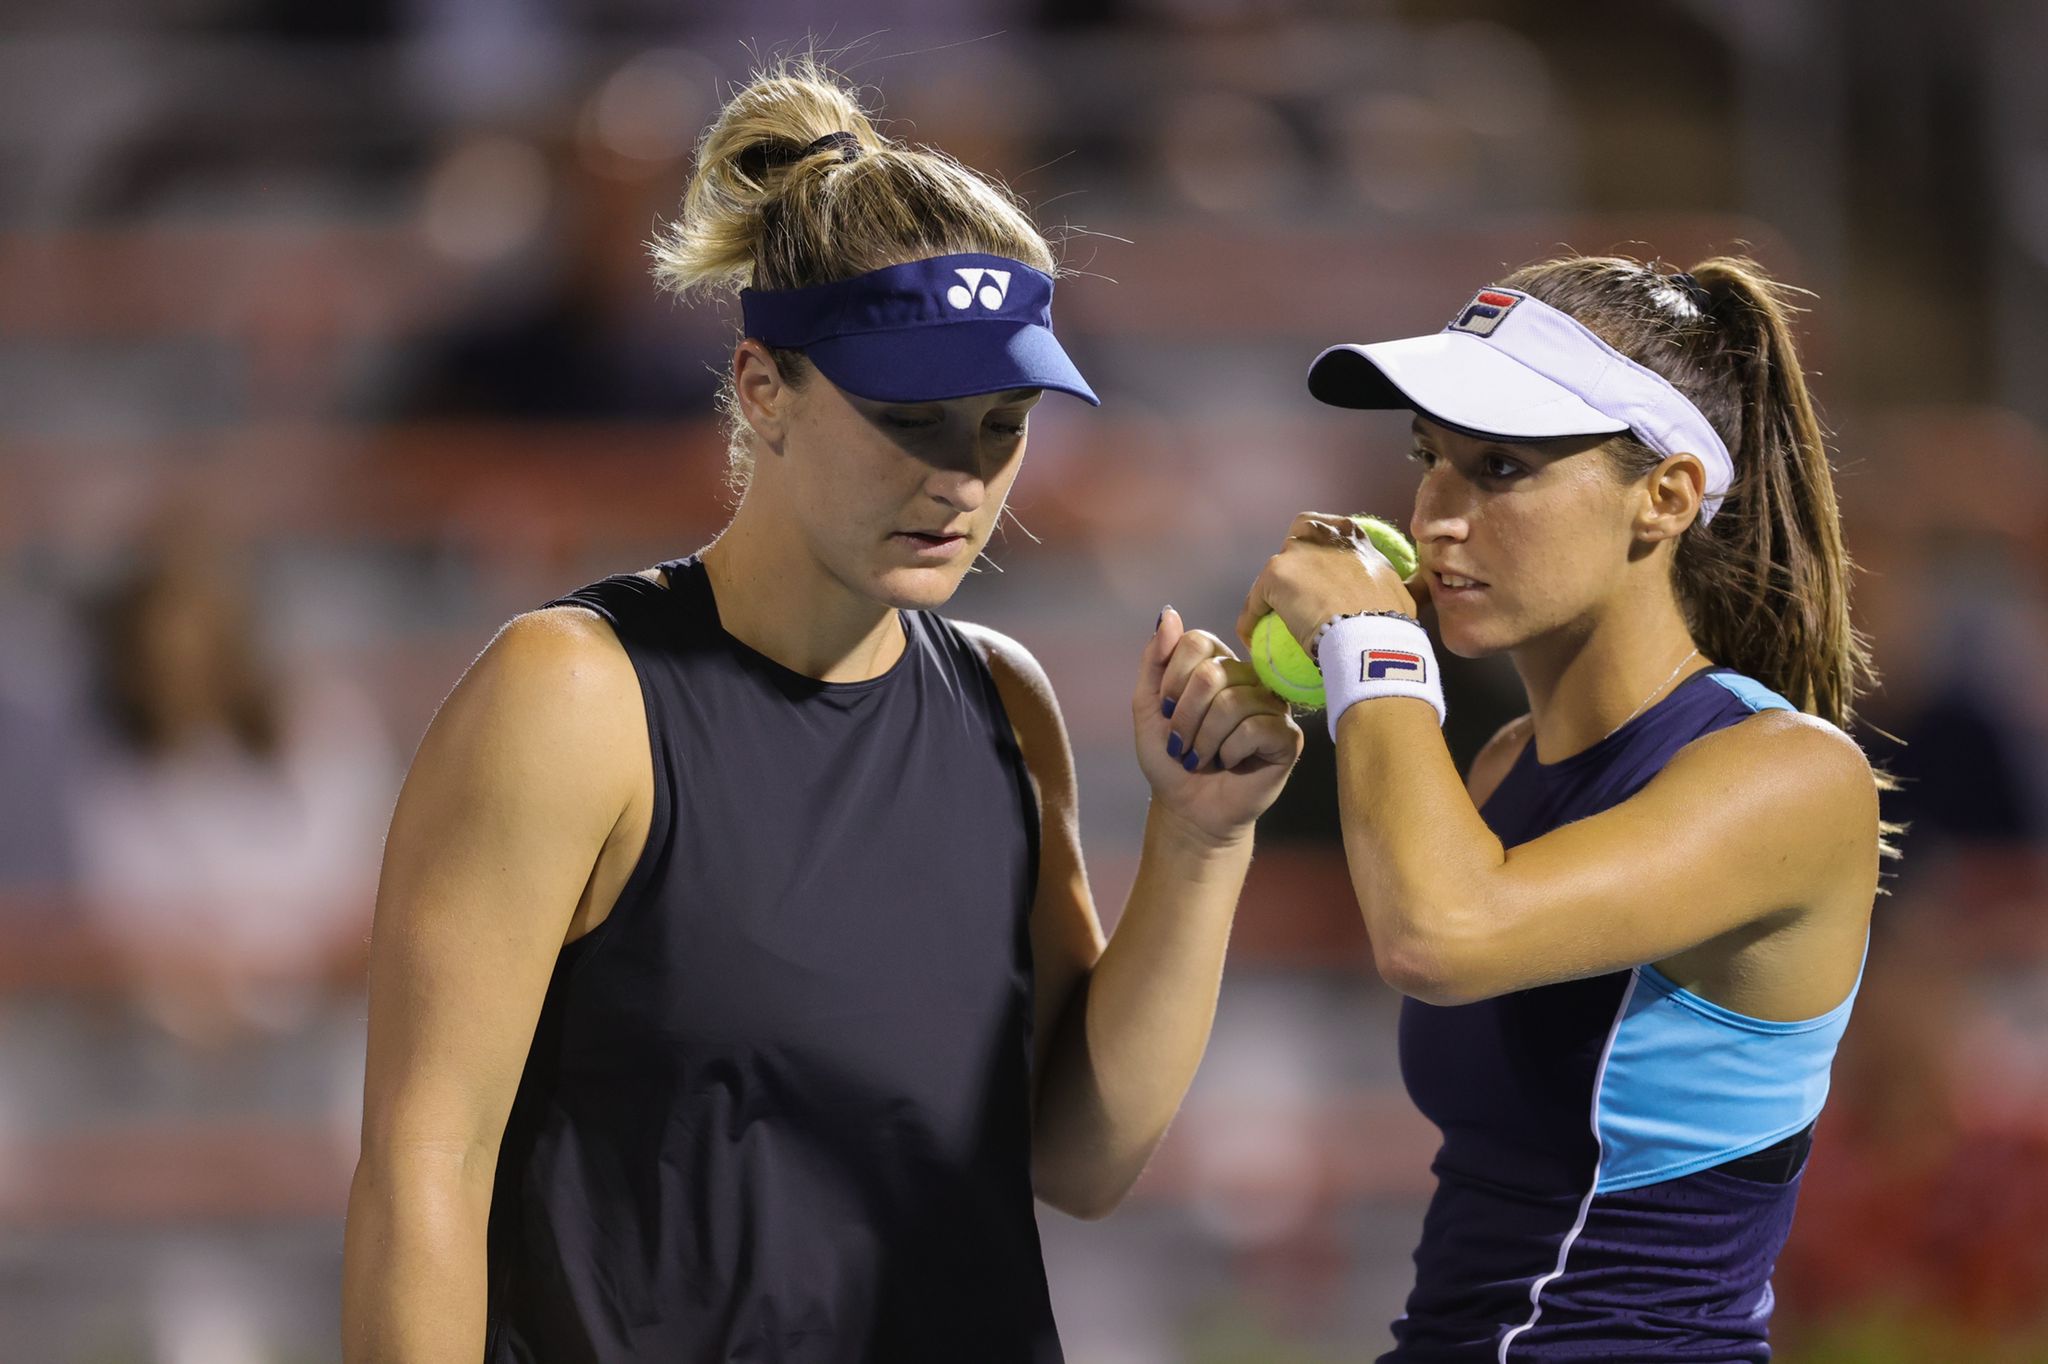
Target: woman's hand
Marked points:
1214	743
1328	567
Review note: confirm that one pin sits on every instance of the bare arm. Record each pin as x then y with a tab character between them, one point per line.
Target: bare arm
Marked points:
1759	841
529	778
1121	1028
1771	822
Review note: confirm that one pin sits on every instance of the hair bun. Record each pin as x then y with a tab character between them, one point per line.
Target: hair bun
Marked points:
1702	298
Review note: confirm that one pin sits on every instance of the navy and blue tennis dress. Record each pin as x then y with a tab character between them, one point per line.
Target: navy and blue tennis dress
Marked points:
777	1107
1620	1156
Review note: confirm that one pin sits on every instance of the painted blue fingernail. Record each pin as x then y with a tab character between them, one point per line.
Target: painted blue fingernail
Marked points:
1173	745
1192	762
1166	707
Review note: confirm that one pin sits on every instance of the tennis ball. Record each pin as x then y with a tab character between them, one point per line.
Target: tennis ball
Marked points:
1283	665
1390	542
1280	661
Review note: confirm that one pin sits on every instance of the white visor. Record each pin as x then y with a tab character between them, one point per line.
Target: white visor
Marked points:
1512	367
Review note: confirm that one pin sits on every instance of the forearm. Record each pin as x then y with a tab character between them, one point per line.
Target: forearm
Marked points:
1420	856
1134	1033
414	1262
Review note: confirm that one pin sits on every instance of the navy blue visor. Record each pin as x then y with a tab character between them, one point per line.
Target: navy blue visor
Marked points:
945	327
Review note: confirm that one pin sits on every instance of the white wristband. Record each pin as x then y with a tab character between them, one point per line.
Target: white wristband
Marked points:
1367	656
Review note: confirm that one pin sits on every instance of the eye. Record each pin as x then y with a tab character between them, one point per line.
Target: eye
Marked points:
1500	467
1007	428
1426	458
903	422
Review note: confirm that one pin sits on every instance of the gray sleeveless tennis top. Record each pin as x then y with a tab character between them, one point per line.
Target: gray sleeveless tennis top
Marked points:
777	1106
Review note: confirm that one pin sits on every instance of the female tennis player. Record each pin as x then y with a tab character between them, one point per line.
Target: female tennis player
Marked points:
735	982
1631	936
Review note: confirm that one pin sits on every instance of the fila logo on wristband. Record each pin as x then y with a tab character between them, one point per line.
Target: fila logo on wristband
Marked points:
1393	659
1377	665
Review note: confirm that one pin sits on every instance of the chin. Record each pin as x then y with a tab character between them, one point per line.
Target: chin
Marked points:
1474	639
917	589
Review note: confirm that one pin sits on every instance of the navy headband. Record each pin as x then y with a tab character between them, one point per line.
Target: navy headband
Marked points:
945	327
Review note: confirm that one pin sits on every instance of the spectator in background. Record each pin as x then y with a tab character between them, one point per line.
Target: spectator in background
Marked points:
569	332
227	830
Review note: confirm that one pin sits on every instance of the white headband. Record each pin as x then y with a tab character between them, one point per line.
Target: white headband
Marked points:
1514	367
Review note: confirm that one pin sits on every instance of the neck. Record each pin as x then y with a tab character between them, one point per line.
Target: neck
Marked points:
791	607
1591	678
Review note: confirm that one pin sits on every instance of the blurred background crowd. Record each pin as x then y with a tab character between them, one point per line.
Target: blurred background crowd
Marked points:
327	343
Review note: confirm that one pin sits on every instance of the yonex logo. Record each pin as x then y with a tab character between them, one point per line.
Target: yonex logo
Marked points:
1379	663
1485	311
991	287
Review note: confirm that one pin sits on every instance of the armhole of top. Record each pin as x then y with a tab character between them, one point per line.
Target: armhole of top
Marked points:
1507	768
601	600
1006	734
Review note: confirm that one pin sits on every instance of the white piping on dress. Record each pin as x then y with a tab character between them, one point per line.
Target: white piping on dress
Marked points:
1586	1203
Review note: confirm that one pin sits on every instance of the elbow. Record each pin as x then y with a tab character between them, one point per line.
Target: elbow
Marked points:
1430	967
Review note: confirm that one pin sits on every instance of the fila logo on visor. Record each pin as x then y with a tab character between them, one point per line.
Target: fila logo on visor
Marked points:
1380	664
991	287
1485	312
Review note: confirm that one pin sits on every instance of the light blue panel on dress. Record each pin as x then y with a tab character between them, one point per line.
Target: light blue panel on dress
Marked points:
1690	1084
1753	693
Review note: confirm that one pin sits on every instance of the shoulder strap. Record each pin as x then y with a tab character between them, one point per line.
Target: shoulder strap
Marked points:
622	600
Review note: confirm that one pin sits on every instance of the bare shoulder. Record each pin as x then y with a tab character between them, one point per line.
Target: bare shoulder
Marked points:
1493	761
1034	711
554	691
1785	749
1785	785
1020	678
1025	689
560	654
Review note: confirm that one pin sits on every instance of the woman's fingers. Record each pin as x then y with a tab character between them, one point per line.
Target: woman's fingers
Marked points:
1263	737
1217	711
1166	637
1201	667
1322	528
1232	728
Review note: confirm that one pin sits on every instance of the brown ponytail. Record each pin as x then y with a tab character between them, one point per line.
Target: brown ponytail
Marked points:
1765	585
794	186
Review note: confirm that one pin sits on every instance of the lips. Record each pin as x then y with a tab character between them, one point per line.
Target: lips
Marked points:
931	546
1446	581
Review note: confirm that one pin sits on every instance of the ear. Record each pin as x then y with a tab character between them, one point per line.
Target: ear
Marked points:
763	394
1672	494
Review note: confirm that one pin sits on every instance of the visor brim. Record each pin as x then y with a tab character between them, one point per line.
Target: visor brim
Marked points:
1458	380
931	364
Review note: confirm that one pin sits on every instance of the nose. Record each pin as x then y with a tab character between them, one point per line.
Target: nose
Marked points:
960	481
963	490
961	475
1443	510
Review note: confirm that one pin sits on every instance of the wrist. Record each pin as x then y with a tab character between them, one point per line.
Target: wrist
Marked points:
1314	643
1365	658
1174	834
